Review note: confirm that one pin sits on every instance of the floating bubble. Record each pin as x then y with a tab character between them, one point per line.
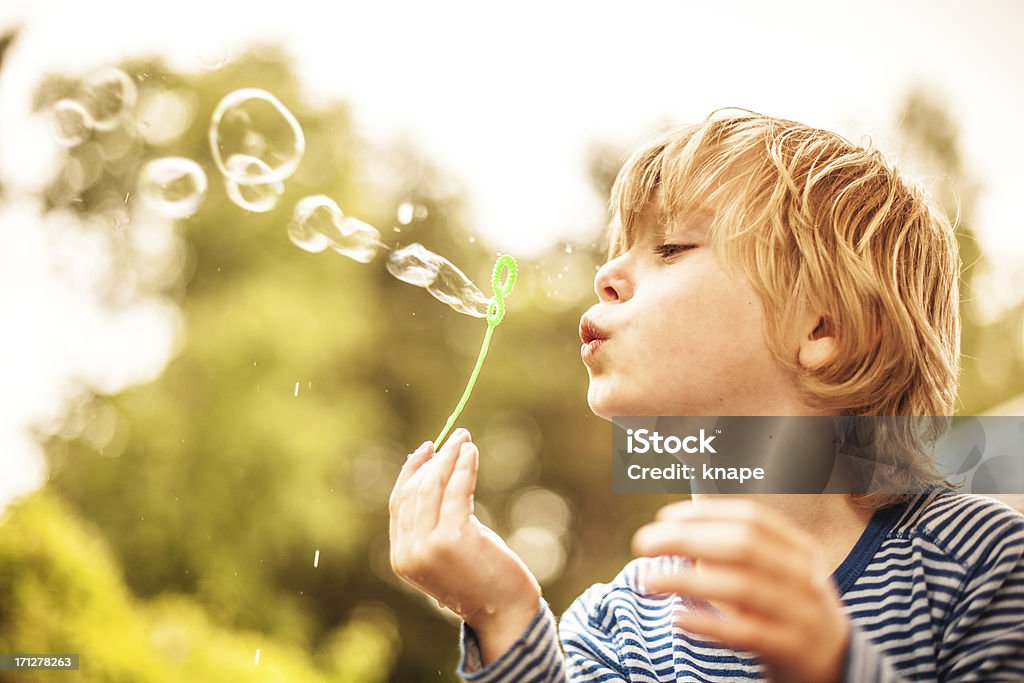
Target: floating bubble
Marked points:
414	264
252	122
258	198
174	186
420	212
107	94
318	223
71	123
405	213
419	266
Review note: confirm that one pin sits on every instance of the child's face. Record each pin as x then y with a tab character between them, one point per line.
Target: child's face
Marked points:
683	338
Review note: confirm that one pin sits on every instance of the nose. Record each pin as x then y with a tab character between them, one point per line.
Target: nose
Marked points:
612	282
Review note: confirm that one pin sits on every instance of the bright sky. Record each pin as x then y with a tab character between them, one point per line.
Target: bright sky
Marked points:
508	101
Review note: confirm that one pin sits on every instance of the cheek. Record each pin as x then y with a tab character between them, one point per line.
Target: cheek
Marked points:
718	328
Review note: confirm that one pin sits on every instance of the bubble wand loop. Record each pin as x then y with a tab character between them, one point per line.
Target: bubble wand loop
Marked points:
495	313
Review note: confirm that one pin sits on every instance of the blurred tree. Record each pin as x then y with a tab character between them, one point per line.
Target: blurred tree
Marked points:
992	349
300	381
5	44
63	593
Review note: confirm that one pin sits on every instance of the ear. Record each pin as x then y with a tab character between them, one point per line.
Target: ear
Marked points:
817	341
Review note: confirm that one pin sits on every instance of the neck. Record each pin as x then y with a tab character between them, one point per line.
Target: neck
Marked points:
832	520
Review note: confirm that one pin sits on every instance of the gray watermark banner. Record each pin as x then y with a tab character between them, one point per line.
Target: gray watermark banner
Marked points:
816	454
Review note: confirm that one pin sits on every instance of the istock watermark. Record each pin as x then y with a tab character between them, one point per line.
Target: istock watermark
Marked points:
817	454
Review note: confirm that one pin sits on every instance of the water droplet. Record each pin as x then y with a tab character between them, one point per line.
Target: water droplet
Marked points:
255	197
174	186
257	660
419	266
318	223
404	213
107	94
568	249
316	559
472	239
296	389
420	213
253	123
71	123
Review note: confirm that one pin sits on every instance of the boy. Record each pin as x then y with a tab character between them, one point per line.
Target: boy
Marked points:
758	267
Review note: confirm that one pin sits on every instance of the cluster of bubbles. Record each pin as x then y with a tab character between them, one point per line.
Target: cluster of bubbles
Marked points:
317	223
256	144
103	99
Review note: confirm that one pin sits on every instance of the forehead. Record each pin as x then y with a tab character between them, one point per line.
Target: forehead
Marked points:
655	220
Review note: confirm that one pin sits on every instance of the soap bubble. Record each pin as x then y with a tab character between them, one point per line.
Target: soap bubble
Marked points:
419	266
318	223
71	123
107	94
174	186
253	123
414	264
258	198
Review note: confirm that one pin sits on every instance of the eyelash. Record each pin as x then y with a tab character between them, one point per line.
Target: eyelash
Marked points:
667	250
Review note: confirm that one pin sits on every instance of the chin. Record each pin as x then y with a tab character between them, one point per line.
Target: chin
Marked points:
607	404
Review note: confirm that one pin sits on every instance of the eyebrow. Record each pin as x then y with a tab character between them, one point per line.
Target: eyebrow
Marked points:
687	229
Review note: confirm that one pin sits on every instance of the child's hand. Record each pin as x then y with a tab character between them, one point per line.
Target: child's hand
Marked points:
440	547
764	574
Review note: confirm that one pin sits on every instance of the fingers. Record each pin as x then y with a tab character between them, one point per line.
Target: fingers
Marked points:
720	543
744	633
766	520
412	463
457	503
429	482
735	533
737	591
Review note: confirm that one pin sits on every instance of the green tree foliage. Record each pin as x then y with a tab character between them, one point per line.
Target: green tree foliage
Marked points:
63	593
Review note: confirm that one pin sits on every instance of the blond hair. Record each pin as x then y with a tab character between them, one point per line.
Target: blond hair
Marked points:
818	224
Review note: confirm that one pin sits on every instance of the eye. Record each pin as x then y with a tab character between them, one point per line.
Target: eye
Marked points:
667	250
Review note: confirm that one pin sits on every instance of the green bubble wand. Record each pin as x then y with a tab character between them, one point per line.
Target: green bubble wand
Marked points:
495	313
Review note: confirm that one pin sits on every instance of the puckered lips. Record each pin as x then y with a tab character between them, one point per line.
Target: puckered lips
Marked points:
592	336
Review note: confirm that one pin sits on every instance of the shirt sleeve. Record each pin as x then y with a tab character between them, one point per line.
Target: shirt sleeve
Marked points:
865	662
984	638
537	655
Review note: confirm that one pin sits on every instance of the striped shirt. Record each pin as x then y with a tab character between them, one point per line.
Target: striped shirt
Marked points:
934	589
